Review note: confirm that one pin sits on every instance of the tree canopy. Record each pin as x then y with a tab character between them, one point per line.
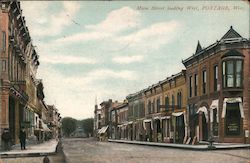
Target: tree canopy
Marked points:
68	125
88	125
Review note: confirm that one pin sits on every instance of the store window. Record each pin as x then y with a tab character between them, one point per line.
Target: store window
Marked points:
233	119
215	123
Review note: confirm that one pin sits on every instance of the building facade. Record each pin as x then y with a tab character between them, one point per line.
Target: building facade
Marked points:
218	90
21	94
209	101
122	120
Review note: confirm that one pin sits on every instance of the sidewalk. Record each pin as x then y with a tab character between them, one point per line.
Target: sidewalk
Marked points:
185	146
46	148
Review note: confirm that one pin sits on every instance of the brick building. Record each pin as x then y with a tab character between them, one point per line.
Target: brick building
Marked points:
218	82
21	94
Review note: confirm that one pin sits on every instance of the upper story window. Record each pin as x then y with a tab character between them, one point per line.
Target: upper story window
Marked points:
149	107
166	102
173	102
3	41
232	69
195	85
190	86
204	81
153	106
179	100
216	78
158	105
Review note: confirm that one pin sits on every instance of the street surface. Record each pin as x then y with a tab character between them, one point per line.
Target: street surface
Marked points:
87	150
90	151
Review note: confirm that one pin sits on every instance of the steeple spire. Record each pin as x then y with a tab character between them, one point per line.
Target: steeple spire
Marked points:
198	48
95	100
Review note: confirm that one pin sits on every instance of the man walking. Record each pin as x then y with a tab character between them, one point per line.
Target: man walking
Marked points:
22	138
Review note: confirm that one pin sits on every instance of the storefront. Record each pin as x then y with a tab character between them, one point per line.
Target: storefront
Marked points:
166	128
202	129
214	118
179	126
148	126
130	130
233	116
157	129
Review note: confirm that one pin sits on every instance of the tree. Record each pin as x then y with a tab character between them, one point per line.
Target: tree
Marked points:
88	125
68	125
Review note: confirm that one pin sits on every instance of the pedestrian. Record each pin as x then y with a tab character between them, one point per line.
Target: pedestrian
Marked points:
46	159
22	138
6	138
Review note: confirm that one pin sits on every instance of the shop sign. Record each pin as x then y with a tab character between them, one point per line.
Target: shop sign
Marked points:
233	129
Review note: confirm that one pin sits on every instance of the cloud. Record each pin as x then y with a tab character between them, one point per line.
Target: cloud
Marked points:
153	36
73	96
118	20
44	23
57	59
128	59
107	73
86	36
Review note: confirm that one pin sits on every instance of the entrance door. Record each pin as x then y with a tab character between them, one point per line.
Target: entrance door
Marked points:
180	129
204	128
233	119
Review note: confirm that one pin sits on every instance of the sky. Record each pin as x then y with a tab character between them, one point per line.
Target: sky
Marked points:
109	49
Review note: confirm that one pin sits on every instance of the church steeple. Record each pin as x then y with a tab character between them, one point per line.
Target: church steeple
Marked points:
198	48
96	106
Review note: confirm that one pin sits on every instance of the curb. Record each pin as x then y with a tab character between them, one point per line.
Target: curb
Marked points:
34	154
26	155
183	146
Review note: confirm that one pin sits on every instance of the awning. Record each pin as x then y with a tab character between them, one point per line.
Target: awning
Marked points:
214	105
177	114
232	100
130	122
145	121
165	117
45	127
157	117
103	130
204	110
119	125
